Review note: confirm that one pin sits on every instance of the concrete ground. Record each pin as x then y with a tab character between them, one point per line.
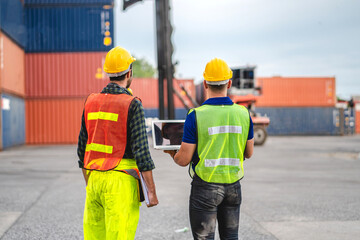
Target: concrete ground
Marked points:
294	188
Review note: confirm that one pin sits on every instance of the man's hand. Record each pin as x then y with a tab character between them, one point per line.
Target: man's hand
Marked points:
184	155
171	152
148	178
86	175
153	201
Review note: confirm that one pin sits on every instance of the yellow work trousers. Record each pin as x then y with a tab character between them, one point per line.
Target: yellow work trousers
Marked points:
111	207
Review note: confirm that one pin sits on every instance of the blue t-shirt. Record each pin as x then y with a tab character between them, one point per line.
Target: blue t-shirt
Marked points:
190	129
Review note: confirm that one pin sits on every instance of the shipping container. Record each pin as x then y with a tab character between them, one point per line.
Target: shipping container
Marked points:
12	67
56	3
53	121
64	74
12	120
69	29
357	118
349	121
153	113
58	121
12	21
147	89
296	92
303	121
356	98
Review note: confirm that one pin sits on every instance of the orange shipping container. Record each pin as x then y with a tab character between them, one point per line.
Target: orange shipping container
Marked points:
147	89
74	74
296	92
53	121
12	67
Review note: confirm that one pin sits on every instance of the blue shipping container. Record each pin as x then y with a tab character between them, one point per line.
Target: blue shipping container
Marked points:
302	121
349	121
67	2
12	21
69	29
13	121
180	113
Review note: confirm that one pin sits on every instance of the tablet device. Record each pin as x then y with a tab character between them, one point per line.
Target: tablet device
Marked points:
167	134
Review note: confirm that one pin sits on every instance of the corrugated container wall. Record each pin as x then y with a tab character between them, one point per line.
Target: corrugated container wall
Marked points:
69	29
296	92
180	113
349	121
67	2
53	121
147	90
12	67
12	120
64	74
357	118
302	121
12	21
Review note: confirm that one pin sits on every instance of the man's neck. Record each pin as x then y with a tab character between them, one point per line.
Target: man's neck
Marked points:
120	83
214	95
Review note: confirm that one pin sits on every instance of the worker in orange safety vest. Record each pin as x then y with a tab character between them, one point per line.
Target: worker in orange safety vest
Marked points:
113	152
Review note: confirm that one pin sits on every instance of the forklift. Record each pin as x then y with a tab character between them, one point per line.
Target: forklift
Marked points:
244	92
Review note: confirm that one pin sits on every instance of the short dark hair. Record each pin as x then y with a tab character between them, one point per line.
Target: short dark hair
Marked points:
217	88
120	78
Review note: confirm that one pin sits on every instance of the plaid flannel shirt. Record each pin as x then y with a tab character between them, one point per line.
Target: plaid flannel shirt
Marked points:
137	146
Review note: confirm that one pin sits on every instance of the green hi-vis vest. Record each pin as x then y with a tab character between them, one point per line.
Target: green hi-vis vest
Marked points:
222	134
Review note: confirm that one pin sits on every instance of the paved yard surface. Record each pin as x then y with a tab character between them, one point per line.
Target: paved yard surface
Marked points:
294	188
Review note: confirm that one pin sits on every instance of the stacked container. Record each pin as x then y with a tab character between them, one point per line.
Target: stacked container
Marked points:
147	90
302	106
12	80
357	118
67	44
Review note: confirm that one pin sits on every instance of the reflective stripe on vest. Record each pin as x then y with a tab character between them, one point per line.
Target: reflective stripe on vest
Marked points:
224	129
103	116
99	148
222	135
221	162
106	124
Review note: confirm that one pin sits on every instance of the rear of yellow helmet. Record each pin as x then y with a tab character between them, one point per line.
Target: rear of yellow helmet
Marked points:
117	62
217	72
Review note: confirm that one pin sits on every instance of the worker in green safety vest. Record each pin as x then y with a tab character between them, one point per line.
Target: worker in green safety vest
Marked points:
217	137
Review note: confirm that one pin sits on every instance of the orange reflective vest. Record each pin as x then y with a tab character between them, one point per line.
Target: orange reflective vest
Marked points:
106	123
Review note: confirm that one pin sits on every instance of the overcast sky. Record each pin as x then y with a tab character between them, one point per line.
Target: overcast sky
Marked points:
280	37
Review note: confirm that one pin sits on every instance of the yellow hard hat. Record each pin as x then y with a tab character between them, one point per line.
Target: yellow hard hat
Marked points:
217	72
117	62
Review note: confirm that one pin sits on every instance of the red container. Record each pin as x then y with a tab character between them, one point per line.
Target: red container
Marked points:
53	121
296	92
58	120
12	67
64	74
147	89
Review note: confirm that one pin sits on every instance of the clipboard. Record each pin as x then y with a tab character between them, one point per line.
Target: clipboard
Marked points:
144	193
143	189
